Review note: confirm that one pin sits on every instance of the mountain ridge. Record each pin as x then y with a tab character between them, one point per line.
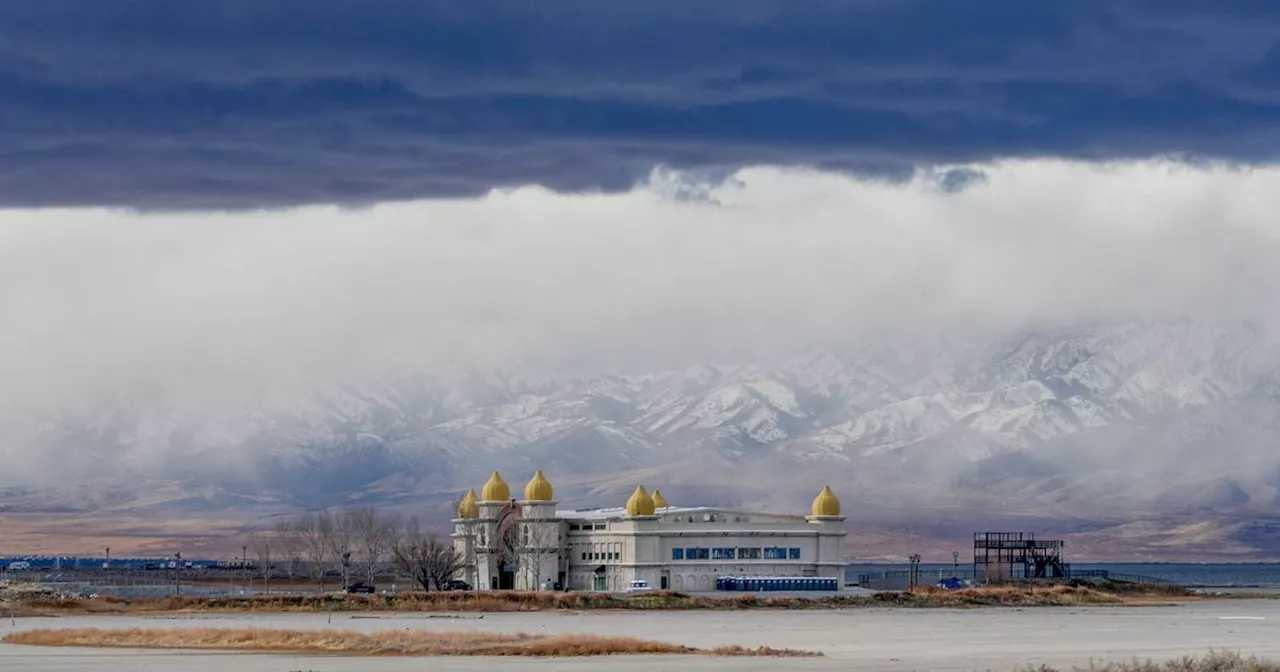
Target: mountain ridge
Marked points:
1172	421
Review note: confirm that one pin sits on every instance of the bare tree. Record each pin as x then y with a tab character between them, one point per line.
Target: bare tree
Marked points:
288	546
341	538
430	560
537	544
262	546
374	534
315	534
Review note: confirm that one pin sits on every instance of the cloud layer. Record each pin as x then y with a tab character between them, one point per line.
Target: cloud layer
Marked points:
238	103
530	280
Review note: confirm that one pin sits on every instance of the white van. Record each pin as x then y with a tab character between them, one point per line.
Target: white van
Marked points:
19	566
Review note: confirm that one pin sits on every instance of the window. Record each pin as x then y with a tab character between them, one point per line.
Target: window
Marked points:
793	553
584	556
722	554
775	553
677	554
574	527
748	554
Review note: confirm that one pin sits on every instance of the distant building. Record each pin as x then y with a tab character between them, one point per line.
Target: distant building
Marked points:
529	544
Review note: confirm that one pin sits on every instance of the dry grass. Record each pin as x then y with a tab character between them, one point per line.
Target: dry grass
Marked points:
1007	595
1215	661
1021	595
398	643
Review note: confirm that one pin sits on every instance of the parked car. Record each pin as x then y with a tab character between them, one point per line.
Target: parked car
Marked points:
639	586
456	584
362	588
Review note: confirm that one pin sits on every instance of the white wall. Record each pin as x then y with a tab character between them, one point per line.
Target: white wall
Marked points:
642	549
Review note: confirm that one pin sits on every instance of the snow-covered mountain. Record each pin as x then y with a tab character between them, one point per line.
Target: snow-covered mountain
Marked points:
1137	417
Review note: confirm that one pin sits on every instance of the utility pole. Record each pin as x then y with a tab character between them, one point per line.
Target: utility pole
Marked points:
955	564
244	563
107	563
177	567
913	575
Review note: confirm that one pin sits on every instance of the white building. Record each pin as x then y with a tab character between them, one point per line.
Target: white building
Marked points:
529	544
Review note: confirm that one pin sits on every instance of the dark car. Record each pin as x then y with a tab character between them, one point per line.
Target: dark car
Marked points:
363	588
456	584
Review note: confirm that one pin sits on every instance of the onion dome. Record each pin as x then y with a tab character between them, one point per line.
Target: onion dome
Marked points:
826	504
538	489
495	489
640	503
468	508
659	502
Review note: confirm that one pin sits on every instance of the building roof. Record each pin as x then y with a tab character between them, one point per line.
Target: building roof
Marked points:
538	489
826	505
640	503
621	512
495	489
468	508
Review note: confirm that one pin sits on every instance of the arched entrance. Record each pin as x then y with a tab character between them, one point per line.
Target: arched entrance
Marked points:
508	545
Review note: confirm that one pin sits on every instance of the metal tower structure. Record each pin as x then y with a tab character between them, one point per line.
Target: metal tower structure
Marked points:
1017	555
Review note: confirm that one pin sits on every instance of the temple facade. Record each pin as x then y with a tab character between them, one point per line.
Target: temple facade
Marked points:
531	544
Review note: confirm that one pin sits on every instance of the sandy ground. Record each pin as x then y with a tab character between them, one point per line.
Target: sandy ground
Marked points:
890	639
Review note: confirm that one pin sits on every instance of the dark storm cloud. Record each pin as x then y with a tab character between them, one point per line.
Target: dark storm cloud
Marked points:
241	103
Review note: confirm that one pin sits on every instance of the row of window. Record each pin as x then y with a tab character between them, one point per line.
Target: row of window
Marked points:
742	553
586	526
607	551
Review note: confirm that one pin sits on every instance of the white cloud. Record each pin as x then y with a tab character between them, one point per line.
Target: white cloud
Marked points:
214	304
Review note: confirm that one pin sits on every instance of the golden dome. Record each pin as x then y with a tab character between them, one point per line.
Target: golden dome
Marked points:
467	508
640	503
538	489
826	505
495	489
659	502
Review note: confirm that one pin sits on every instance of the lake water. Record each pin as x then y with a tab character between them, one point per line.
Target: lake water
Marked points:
852	640
1260	575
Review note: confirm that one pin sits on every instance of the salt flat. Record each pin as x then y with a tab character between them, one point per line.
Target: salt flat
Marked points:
864	639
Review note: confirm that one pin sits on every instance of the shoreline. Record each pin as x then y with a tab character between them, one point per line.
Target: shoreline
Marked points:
515	602
871	640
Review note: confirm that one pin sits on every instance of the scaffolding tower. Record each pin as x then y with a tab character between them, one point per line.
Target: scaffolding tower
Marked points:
1017	555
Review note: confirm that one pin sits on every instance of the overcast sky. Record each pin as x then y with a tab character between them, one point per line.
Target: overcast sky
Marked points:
343	188
238	103
768	262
